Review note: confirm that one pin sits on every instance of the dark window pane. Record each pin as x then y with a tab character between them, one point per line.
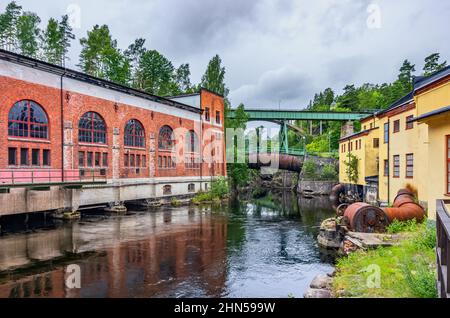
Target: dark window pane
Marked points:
46	157
27	119
138	160
24	161
89	159
12	156
81	158
105	159
134	134
132	161
35	157
126	160
97	159
166	138
92	128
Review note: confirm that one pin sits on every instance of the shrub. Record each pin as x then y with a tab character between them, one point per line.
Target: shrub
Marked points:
329	173
219	188
310	169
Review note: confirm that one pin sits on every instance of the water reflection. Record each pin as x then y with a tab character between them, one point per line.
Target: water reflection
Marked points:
262	249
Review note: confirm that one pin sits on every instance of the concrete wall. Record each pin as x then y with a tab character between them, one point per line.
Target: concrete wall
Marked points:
23	200
315	187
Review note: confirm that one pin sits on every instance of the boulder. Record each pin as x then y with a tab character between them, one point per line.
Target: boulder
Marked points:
317	293
321	281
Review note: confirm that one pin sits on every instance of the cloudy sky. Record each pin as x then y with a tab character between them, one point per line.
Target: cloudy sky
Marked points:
277	53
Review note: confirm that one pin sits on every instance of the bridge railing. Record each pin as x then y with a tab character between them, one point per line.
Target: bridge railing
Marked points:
443	248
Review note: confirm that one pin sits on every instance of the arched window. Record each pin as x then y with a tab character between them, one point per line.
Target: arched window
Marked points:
27	119
192	142
134	134
166	138
92	129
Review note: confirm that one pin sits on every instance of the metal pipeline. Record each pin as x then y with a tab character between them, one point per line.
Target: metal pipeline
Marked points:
283	162
362	217
336	196
405	208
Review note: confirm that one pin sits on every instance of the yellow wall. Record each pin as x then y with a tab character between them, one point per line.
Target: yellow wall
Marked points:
427	141
367	155
433	99
412	141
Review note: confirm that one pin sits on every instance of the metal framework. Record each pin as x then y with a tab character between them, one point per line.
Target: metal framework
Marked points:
257	114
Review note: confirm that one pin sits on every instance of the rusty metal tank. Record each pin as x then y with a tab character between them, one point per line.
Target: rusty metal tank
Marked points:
363	217
405	208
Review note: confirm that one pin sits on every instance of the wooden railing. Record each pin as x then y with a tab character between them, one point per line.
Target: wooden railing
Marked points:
443	248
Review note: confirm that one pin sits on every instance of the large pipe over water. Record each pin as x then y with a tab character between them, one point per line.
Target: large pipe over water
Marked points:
283	162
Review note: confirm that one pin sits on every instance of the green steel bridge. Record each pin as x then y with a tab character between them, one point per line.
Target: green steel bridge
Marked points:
283	117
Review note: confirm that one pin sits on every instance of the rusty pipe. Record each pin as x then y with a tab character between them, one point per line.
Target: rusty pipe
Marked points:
278	161
405	208
336	195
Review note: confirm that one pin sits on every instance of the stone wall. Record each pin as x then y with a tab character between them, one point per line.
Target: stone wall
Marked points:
315	187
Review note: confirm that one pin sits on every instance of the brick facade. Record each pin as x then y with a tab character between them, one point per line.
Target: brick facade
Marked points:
115	115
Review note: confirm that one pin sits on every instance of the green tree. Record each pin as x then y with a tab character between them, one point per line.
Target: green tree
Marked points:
8	26
134	54
432	64
214	77
182	79
238	172
349	99
66	36
51	42
155	73
100	56
28	34
406	74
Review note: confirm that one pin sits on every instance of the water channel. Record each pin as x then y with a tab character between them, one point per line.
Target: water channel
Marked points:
266	248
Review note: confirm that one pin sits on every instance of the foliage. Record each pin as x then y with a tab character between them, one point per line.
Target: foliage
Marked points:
398	226
100	56
219	188
8	26
351	170
155	73
310	169
219	191
432	64
318	145
28	34
55	41
407	270
329	173
214	77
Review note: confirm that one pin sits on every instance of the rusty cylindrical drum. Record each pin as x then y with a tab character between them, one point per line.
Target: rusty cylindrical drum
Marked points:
365	218
337	196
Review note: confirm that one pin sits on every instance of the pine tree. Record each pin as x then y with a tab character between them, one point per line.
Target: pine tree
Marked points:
51	43
182	79
406	74
432	64
214	77
28	33
155	74
134	54
8	26
100	56
66	36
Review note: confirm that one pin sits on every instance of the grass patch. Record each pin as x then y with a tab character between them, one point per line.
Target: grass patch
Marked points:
405	271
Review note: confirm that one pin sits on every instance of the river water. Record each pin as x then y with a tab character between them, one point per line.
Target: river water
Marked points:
266	248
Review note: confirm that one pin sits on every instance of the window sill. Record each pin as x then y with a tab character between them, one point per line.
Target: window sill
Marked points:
40	141
135	148
93	145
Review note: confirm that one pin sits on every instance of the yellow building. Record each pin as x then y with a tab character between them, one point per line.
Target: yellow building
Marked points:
413	139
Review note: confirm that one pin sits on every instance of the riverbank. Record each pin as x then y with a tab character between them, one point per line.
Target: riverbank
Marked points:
406	270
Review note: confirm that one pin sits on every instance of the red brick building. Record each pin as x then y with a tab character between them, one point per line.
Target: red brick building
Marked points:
59	126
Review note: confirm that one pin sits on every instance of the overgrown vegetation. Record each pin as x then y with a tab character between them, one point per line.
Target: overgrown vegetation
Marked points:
351	169
311	171
219	191
406	270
